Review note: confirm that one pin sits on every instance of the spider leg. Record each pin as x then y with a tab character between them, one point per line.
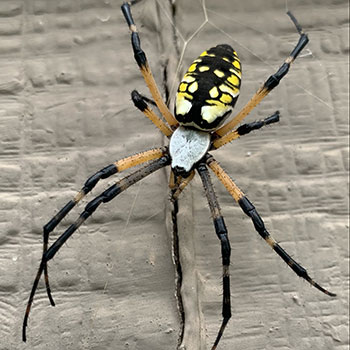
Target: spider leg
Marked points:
145	69
247	128
91	182
221	232
140	103
148	100
249	209
104	173
178	185
225	133
159	158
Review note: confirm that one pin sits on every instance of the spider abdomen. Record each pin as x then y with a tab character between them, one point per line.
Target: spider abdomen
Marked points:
209	89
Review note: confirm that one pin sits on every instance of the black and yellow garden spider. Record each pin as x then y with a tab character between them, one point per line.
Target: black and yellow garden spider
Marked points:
205	98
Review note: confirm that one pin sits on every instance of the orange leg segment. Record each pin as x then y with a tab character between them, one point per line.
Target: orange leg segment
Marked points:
225	132
141	104
249	209
145	69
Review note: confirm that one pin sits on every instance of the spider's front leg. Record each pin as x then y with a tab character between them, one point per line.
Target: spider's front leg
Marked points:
221	232
145	69
140	102
225	132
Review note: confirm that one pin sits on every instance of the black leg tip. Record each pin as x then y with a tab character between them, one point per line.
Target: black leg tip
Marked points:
138	101
296	23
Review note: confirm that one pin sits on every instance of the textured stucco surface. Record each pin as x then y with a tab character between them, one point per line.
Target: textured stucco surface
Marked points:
66	73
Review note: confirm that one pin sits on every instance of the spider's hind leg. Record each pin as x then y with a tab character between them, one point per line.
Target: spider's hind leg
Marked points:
249	209
51	225
106	196
221	232
90	183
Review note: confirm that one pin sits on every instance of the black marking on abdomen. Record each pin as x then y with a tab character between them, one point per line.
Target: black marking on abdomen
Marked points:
219	68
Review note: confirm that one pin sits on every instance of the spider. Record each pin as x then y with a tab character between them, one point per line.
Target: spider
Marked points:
205	98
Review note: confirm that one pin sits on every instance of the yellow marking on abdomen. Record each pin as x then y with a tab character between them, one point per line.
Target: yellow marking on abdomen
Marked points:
183	106
210	113
232	91
188	78
192	67
236	72
237	64
183	95
225	98
213	92
219	73
205	53
183	87
193	87
203	68
233	79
